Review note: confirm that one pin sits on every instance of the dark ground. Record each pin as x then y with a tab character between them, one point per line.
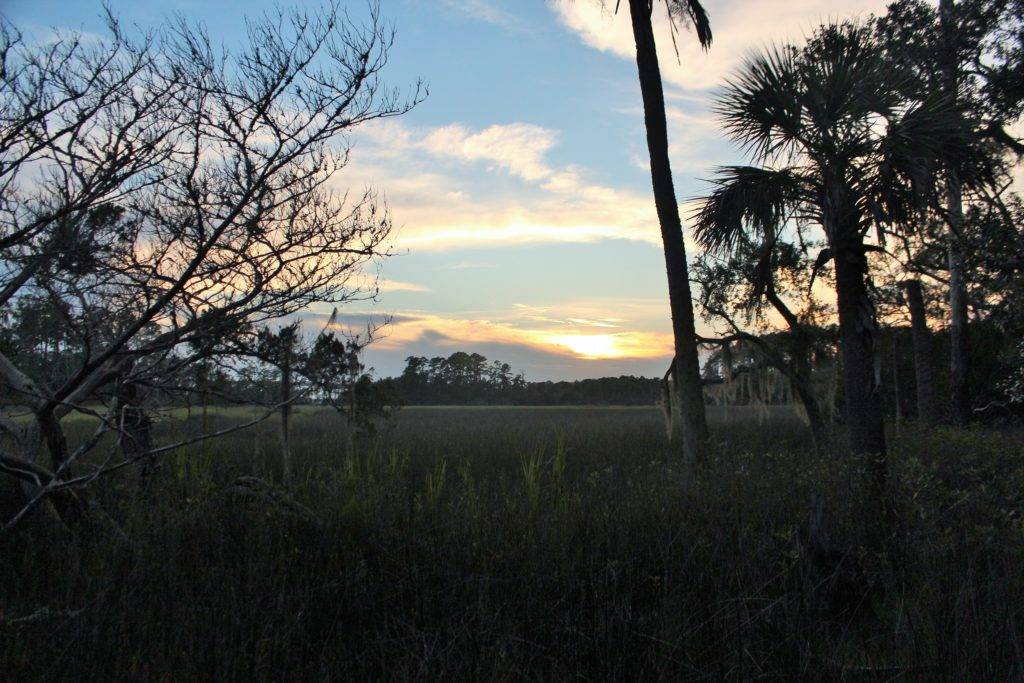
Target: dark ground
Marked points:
510	543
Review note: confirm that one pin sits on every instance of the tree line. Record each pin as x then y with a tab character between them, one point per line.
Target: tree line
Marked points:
469	379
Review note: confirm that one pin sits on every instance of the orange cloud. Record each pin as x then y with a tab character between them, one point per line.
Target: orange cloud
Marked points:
527	326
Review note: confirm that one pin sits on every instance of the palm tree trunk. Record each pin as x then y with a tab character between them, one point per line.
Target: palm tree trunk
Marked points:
857	333
927	408
690	394
959	347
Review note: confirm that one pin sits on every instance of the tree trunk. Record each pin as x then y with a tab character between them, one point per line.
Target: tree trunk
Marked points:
690	394
62	510
959	347
857	333
53	435
897	392
137	440
802	386
286	413
927	407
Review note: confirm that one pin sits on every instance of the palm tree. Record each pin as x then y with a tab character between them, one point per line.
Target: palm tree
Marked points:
687	366
840	147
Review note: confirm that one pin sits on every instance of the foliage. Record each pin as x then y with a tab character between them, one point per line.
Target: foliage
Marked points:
439	550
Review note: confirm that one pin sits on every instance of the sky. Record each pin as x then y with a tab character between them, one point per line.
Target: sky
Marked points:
520	189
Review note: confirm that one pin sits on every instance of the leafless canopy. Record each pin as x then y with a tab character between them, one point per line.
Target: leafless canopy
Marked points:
157	192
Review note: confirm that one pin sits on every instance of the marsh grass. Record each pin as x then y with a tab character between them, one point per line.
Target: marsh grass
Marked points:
538	543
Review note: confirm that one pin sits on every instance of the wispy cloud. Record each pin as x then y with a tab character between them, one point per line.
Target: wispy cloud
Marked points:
399	286
482	10
454	186
519	148
470	265
369	281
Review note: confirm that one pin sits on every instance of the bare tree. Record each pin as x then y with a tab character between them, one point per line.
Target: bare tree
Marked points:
749	287
219	168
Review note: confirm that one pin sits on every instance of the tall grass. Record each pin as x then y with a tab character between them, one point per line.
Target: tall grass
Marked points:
548	543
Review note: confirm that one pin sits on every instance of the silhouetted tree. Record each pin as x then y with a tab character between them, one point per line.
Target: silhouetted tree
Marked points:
927	405
844	149
971	53
688	386
749	284
219	164
281	348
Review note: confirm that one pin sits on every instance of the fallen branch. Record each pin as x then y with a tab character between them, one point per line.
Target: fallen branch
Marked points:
254	488
43	614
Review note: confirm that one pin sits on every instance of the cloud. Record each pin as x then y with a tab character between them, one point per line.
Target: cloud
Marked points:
481	10
572	338
519	148
469	265
739	26
542	349
569	329
386	285
372	282
453	187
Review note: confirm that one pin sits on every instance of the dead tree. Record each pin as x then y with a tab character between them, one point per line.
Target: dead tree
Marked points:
739	293
212	170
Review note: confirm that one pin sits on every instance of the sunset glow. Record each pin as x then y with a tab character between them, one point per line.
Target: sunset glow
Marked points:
523	216
591	346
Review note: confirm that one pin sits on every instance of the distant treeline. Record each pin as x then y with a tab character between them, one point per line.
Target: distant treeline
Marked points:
470	379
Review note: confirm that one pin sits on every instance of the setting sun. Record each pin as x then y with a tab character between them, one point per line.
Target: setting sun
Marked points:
592	346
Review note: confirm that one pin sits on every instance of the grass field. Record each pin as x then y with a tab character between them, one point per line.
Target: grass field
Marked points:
551	543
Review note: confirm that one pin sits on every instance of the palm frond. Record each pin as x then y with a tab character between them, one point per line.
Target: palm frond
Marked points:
845	78
927	137
761	106
693	12
746	201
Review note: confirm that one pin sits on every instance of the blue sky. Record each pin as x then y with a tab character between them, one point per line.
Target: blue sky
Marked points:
520	189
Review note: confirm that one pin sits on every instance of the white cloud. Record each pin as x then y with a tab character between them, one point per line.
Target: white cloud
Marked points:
441	200
739	26
386	285
518	147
